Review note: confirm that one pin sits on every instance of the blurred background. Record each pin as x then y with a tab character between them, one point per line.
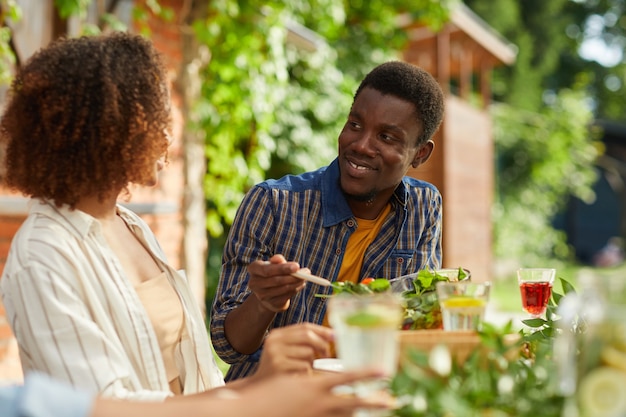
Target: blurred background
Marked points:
530	158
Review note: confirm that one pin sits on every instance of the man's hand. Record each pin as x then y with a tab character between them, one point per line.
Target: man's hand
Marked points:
272	282
272	286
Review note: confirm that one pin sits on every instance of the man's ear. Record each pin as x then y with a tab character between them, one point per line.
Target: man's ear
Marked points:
423	153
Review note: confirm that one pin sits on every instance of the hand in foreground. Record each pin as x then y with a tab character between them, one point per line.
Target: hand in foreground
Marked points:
279	396
272	283
310	396
293	348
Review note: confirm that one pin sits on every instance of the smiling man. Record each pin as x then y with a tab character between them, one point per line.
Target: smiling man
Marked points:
358	217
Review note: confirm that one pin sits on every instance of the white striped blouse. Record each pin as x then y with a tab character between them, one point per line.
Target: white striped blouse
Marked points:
77	317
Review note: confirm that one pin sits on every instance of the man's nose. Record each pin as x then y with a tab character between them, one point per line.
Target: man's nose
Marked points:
366	143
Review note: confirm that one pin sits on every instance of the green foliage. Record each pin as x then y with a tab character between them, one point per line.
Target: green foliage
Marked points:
484	385
140	13
609	89
7	57
67	8
546	152
548	35
543	158
503	377
9	11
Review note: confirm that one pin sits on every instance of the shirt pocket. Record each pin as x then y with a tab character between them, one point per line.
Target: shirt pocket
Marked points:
399	262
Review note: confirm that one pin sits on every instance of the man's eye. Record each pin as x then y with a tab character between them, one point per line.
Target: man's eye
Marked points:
355	125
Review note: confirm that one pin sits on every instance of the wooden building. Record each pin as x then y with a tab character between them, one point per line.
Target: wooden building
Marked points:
462	56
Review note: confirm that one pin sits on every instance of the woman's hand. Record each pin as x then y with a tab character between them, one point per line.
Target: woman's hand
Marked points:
292	349
309	396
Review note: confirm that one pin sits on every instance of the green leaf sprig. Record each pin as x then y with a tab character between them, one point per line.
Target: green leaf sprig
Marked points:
426	280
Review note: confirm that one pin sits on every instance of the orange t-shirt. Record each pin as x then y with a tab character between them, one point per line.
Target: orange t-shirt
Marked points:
358	243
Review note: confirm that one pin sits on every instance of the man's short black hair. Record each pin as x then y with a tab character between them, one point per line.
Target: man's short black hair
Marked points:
413	84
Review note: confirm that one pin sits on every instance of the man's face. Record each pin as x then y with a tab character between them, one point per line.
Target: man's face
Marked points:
378	145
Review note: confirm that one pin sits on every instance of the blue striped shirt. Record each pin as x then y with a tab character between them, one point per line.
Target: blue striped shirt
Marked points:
307	219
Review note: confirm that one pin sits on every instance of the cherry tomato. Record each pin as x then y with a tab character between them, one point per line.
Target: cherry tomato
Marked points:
366	281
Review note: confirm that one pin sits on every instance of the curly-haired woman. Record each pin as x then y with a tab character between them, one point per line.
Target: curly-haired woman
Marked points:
88	292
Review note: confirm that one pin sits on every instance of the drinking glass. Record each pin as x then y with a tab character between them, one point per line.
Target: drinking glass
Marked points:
366	336
463	304
535	286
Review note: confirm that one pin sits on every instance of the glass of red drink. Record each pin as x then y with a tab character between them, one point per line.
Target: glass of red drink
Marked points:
535	286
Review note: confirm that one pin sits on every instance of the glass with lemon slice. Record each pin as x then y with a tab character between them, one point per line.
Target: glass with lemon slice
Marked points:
463	304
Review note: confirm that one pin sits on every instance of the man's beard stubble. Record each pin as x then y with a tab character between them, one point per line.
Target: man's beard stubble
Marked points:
361	198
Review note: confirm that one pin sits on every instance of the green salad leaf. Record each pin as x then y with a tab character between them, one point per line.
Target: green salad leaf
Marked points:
426	280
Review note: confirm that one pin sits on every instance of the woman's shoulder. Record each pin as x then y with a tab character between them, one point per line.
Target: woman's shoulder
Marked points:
50	235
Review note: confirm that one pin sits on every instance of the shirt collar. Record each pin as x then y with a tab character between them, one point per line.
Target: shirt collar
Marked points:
78	222
335	208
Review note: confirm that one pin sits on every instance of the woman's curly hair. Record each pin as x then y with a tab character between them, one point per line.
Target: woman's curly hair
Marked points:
86	117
